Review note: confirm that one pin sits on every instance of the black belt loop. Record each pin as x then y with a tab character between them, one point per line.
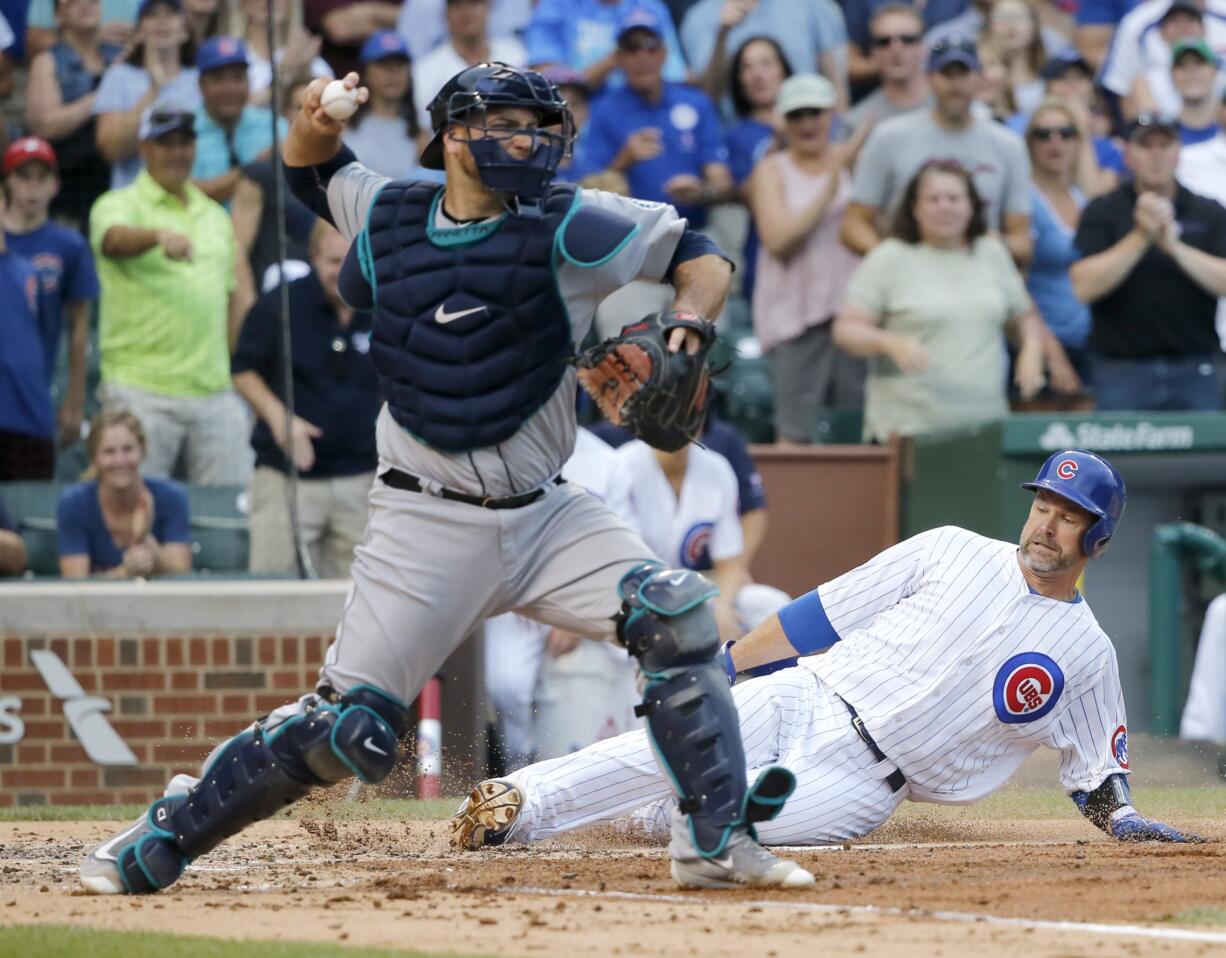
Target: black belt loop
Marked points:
895	779
410	483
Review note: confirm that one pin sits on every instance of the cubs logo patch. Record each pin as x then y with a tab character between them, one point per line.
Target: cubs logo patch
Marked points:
1067	469
1119	746
695	547
1026	688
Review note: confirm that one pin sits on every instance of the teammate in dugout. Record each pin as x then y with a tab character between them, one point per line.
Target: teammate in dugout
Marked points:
479	290
946	660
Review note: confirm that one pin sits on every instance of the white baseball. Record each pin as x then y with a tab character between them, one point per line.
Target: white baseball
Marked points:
337	101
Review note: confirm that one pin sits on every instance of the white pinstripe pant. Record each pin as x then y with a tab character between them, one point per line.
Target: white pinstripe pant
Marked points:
788	718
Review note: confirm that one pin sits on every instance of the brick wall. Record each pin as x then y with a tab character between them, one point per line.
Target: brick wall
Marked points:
172	699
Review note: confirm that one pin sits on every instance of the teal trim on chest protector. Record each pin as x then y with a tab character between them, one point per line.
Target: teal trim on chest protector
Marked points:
571	214
470	234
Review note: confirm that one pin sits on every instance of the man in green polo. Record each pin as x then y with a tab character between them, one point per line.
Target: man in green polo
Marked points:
165	255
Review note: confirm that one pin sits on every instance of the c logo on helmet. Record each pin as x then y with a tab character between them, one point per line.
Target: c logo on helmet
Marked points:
1119	746
1026	688
695	546
1067	469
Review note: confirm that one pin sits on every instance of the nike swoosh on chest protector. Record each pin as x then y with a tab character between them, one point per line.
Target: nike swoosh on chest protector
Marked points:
442	317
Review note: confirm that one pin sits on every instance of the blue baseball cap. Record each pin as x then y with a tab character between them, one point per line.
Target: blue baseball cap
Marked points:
381	45
218	52
147	5
640	19
953	50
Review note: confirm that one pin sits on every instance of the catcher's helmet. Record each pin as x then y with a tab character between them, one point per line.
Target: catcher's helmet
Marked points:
464	99
1092	483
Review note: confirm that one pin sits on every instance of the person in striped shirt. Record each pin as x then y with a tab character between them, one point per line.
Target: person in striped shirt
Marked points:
944	662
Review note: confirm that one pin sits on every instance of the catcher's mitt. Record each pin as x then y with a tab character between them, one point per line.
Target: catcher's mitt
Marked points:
658	395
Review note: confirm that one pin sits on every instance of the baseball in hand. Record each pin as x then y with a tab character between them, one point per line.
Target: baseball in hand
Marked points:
337	101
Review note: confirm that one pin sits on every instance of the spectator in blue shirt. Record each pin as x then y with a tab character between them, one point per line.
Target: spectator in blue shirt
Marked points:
120	524
230	132
582	35
664	137
64	264
1070	78
1055	140
27	415
759	68
812	34
1096	21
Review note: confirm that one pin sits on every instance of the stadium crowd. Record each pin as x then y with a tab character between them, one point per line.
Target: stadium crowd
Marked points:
936	210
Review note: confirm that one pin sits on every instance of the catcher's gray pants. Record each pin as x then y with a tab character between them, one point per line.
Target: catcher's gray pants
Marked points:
788	718
430	570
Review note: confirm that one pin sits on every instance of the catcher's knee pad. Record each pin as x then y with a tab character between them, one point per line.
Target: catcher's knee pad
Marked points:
667	625
260	771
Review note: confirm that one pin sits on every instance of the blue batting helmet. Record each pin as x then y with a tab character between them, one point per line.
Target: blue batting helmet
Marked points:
1092	483
465	98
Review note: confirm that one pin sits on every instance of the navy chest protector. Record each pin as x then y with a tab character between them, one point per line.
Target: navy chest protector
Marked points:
471	335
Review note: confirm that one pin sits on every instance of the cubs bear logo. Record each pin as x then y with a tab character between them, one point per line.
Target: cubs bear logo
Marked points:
695	547
1119	746
1067	469
1026	687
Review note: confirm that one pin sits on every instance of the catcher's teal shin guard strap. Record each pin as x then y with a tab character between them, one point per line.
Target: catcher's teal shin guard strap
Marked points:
153	861
668	626
257	773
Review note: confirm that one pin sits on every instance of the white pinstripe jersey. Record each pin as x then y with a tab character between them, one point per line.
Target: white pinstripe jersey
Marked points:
959	671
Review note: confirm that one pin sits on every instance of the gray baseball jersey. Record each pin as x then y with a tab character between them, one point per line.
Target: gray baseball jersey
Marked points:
537	452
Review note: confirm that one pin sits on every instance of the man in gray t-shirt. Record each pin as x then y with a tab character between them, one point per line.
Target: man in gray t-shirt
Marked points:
897	50
900	146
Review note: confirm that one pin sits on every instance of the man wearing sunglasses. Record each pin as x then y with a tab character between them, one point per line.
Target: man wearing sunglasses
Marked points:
896	53
1153	266
898	147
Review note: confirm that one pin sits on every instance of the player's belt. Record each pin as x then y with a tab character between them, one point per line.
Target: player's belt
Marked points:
410	483
895	779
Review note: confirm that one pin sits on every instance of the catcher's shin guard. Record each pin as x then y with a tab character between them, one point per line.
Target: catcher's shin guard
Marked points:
667	625
259	772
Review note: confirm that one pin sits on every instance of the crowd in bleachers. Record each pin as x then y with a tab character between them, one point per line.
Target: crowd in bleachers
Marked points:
937	210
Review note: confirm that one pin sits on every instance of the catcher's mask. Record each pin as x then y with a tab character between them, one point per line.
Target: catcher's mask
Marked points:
465	100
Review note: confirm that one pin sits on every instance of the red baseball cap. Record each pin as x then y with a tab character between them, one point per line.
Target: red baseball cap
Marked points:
26	149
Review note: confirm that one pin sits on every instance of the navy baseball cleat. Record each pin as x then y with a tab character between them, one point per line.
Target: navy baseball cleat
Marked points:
487	816
101	872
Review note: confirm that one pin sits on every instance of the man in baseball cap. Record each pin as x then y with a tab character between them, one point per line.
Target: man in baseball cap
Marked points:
64	264
230	131
898	147
1194	73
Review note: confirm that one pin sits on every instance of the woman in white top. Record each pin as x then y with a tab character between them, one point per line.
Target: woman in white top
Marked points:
385	132
297	52
798	196
928	307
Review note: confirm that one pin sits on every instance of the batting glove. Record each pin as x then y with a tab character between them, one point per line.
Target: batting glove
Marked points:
1128	826
725	656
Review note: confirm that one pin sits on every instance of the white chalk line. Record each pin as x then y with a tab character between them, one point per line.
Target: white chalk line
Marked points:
1133	931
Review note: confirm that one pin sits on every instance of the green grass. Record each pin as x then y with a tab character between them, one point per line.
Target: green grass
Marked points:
1202	915
403	809
60	941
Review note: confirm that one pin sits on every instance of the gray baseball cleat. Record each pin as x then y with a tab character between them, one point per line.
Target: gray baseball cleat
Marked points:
100	871
487	816
742	862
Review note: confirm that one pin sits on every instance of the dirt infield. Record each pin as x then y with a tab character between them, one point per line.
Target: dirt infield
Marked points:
943	885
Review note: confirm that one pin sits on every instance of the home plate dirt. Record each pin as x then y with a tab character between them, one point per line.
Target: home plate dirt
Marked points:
984	890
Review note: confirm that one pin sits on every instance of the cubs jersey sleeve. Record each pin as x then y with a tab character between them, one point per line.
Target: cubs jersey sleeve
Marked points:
960	671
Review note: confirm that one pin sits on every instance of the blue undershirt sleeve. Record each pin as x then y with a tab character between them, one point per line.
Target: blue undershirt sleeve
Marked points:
310	183
692	245
806	624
